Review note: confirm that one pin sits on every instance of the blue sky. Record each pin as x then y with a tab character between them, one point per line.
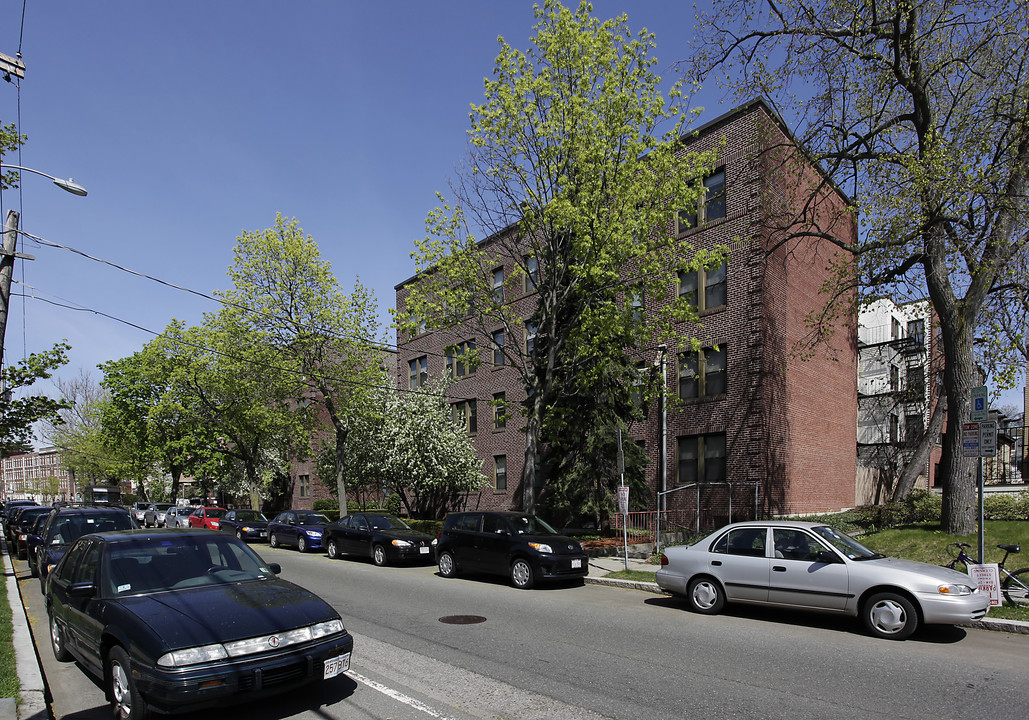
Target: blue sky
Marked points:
190	121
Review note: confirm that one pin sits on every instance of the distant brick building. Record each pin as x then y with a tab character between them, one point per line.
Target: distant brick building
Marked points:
38	475
746	409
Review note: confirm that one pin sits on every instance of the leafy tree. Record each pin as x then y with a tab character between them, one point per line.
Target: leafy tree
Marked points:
574	184
288	294
919	109
17	415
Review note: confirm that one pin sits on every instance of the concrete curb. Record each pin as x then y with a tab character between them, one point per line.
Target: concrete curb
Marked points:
1018	627
32	699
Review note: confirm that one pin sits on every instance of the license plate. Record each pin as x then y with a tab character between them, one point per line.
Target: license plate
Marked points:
264	534
576	564
423	550
335	666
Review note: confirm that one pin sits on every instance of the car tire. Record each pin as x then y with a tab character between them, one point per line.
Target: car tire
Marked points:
273	540
57	641
126	701
239	535
705	596
889	616
379	555
1015	588
521	574
33	569
332	549
302	543
447	564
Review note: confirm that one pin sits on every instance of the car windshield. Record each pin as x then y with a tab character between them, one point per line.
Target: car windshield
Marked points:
312	519
173	562
847	545
530	525
215	512
250	516
387	522
68	528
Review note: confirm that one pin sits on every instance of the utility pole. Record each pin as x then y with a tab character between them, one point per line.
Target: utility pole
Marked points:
7	256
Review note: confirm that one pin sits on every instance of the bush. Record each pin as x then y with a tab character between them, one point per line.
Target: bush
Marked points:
323	504
432	527
1003	507
393	504
925	506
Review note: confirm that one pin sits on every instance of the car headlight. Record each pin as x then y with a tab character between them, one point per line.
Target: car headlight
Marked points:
192	656
314	533
954	590
245	528
542	547
402	543
283	639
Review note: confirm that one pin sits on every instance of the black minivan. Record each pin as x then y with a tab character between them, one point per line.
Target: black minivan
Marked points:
518	545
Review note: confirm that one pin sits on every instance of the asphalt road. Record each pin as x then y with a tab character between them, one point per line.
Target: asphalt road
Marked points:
589	651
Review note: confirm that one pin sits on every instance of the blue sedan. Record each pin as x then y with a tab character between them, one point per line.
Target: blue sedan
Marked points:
302	529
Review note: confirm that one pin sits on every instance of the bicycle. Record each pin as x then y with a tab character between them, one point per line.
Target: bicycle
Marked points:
1014	585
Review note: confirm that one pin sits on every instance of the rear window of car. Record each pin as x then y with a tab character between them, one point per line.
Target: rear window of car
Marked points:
469	523
68	528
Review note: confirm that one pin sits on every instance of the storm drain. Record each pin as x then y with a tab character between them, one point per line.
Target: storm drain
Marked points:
462	619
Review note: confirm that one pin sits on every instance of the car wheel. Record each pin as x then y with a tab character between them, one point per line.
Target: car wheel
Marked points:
273	540
705	596
33	568
890	616
57	641
302	543
128	705
239	534
1016	588
521	574
447	565
332	549
379	555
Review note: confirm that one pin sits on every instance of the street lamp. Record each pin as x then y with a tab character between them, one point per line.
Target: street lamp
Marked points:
10	246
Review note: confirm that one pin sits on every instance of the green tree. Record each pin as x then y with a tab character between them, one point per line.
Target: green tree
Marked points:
919	109
575	171
18	414
285	291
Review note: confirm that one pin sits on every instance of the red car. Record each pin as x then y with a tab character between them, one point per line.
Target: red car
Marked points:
207	517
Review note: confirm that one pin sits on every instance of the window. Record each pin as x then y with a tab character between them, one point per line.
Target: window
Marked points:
461	359
636	304
464	415
419	323
701	458
500	472
895	329
499	410
711	207
530	337
703	373
498	348
419	372
916	331
532	274
742	541
894	378
636	390
304	483
916	381
914	426
712	281
498	284
894	428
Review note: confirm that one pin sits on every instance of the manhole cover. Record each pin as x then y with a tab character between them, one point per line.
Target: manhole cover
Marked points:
462	619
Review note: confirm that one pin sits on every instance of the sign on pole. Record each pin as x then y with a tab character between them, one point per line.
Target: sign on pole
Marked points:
988	439
979	406
623	499
988	578
970	439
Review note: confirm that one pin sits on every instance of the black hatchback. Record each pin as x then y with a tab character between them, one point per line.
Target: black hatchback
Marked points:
518	545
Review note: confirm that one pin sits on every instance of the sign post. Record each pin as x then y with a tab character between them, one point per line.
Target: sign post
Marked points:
978	414
623	500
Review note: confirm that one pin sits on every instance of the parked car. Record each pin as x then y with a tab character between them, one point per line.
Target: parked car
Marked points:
182	620
518	545
815	567
300	528
11	507
20	526
207	517
245	524
139	511
178	516
67	524
32	544
154	515
383	538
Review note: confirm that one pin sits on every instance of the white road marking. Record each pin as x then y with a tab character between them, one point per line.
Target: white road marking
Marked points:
398	696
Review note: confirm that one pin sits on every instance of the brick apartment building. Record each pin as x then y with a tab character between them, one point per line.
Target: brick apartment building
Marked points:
746	418
37	475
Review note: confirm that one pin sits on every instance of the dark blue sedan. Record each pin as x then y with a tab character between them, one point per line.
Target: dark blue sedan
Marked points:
245	524
302	529
176	621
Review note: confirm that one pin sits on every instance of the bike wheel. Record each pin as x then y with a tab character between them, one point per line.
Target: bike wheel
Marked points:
1016	588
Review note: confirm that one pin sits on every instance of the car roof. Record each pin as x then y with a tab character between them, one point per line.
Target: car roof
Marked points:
115	536
773	523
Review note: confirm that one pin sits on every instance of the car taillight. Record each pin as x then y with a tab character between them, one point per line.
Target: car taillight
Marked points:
664	559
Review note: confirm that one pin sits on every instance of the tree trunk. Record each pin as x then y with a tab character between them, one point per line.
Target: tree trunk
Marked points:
341	456
960	375
532	431
922	449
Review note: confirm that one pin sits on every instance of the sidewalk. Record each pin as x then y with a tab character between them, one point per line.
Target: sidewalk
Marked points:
31	704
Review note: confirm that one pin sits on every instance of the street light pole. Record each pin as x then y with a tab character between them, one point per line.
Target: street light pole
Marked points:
10	248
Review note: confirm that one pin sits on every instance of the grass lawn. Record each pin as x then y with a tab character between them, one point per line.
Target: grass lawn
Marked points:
10	686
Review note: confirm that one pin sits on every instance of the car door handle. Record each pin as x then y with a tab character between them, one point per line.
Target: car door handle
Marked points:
716	563
778	568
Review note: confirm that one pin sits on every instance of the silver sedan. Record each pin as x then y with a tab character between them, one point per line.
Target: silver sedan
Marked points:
814	567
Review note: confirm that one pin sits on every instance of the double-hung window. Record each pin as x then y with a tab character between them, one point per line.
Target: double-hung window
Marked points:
532	274
702	373
701	458
713	284
498	348
418	372
498	285
461	359
464	414
710	207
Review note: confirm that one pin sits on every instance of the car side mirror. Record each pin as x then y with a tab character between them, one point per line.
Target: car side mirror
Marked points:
275	568
81	590
824	556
